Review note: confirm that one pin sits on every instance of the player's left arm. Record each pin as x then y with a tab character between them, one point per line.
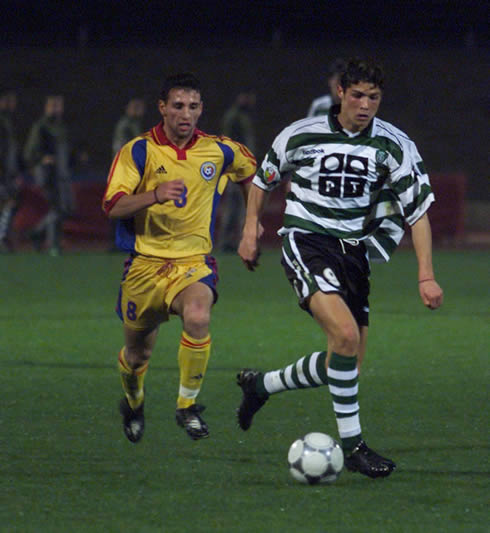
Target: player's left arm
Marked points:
430	291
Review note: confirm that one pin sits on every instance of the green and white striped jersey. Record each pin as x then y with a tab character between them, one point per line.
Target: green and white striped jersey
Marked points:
360	186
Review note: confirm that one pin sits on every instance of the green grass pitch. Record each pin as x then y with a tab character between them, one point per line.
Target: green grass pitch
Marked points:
65	465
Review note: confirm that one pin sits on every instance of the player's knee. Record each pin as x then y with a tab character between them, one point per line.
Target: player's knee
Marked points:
196	321
347	340
146	354
137	356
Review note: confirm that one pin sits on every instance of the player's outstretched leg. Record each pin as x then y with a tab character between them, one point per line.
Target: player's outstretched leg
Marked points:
308	371
365	461
251	401
191	420
133	420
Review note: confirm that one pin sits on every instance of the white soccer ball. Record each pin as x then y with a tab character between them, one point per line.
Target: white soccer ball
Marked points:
315	458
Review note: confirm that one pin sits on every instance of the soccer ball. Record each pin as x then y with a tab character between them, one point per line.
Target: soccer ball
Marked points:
315	458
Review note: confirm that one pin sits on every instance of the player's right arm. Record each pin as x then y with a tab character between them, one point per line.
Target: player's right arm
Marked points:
128	205
272	171
248	249
127	192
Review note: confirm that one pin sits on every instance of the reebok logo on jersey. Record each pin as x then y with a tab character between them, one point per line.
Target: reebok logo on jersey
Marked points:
161	170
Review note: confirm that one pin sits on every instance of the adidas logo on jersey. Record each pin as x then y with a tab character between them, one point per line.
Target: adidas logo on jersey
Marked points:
161	170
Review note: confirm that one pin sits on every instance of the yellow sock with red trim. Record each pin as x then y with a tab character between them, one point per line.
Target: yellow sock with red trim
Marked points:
193	360
132	380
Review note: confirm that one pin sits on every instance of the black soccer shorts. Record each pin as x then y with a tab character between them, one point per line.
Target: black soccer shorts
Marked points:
315	262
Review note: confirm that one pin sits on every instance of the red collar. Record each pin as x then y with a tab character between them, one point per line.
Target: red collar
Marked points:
159	137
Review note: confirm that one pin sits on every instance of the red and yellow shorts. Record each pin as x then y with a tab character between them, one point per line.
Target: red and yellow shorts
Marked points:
149	286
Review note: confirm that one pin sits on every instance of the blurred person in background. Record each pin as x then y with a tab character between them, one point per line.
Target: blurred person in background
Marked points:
129	125
9	166
238	124
322	104
47	156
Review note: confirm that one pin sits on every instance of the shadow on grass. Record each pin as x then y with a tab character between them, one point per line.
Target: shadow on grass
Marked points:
443	473
263	457
436	448
37	364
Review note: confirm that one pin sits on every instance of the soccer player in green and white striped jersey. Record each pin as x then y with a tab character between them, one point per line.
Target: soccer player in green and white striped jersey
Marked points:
355	181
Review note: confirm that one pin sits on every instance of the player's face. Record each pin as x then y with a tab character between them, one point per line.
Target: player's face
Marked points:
359	104
180	114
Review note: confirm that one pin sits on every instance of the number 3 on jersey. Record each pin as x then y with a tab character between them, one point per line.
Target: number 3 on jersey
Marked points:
183	198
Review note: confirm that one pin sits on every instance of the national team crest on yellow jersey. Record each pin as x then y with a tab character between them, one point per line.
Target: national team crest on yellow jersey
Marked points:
183	227
208	170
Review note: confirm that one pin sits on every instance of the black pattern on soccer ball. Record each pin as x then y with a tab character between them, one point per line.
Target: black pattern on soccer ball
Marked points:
315	458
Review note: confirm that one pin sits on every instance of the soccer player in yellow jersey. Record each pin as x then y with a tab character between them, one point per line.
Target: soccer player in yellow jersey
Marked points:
164	188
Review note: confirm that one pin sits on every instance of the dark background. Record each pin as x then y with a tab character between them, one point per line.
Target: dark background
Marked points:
439	22
436	56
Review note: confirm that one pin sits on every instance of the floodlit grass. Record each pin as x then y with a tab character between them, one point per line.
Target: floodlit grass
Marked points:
66	466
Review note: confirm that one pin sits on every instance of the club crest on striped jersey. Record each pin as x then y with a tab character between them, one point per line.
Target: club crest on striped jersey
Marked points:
381	156
270	174
208	170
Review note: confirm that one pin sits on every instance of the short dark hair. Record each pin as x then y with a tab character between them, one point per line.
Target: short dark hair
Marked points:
359	70
184	80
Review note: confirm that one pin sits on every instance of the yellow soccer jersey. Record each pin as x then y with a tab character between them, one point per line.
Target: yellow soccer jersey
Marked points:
184	227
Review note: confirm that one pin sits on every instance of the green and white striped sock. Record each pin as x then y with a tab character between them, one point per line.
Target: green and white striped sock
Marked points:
308	372
343	385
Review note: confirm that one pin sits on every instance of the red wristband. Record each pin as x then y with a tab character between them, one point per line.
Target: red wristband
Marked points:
428	279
